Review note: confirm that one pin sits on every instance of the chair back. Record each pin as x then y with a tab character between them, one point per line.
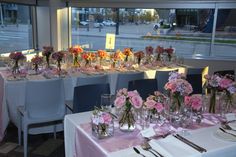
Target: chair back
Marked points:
195	70
196	81
162	79
45	98
98	79
88	96
123	79
145	87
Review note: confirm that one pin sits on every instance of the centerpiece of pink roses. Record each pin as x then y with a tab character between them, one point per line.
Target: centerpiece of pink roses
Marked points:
102	124
177	88
127	102
47	51
156	104
16	56
218	84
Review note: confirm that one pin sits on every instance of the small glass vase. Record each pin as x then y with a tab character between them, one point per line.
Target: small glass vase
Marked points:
102	131
212	105
127	119
226	102
175	104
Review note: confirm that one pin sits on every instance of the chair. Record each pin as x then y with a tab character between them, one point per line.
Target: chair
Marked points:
145	87
195	70
98	79
88	96
225	72
44	103
162	79
123	79
196	81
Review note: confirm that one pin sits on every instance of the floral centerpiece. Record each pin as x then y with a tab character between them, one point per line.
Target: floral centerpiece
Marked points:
116	57
37	60
16	56
102	54
127	101
88	57
76	51
58	56
216	84
178	88
195	102
102	124
47	51
139	55
127	52
169	52
159	50
155	104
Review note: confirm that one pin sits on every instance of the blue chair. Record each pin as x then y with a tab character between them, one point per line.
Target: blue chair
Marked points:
96	79
88	96
195	70
196	81
145	87
124	78
162	79
44	103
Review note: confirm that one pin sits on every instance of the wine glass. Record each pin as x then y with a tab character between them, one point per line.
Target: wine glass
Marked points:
107	101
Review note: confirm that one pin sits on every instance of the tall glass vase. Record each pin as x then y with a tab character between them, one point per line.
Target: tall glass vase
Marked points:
76	60
212	105
15	68
127	119
175	104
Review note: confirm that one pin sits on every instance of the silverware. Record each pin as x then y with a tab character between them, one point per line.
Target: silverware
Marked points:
138	152
146	146
227	132
193	145
227	127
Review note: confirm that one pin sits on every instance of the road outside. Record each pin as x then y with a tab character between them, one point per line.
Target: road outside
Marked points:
130	35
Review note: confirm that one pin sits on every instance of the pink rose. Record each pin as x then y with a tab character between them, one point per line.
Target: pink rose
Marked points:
132	93
136	101
107	118
120	101
150	104
187	100
225	83
159	107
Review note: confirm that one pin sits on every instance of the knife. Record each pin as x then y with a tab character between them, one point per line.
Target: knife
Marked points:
193	145
227	132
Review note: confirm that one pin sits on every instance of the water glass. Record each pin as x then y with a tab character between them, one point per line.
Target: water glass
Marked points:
107	101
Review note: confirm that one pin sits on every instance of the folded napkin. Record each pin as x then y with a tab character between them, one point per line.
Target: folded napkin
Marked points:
173	147
233	125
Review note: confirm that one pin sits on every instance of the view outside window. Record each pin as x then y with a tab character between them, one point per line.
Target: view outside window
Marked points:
189	31
225	37
15	27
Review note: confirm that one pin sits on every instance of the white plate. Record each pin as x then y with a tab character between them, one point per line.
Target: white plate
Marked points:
224	136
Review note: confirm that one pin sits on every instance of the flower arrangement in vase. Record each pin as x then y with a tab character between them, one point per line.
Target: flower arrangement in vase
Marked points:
155	104
102	124
195	102
88	57
159	50
218	84
116	57
47	51
37	60
127	52
127	102
139	55
102	54
76	51
16	56
58	56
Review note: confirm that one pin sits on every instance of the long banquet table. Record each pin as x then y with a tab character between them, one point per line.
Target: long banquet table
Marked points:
12	92
80	143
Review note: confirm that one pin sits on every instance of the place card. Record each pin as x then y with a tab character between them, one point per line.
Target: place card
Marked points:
149	132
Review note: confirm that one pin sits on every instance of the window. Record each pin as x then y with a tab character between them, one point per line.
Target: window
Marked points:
225	36
189	31
15	27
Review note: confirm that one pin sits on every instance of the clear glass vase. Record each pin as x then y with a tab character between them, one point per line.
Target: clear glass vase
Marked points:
103	130
127	119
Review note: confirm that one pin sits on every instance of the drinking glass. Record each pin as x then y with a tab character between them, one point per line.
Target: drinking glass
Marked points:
107	101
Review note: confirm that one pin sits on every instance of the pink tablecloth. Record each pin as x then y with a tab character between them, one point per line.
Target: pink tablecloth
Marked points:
88	145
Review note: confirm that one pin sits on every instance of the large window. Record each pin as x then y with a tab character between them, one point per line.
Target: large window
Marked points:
15	27
189	31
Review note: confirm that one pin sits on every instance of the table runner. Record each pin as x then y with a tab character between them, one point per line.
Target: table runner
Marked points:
87	145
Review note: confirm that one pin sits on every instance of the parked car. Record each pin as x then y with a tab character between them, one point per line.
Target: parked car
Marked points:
97	25
83	23
109	23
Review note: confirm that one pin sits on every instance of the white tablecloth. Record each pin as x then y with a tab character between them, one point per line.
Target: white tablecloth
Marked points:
205	137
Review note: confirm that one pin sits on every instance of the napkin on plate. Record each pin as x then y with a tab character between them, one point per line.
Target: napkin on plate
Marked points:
233	125
173	147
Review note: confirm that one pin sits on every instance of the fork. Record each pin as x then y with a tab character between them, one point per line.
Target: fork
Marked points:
148	147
